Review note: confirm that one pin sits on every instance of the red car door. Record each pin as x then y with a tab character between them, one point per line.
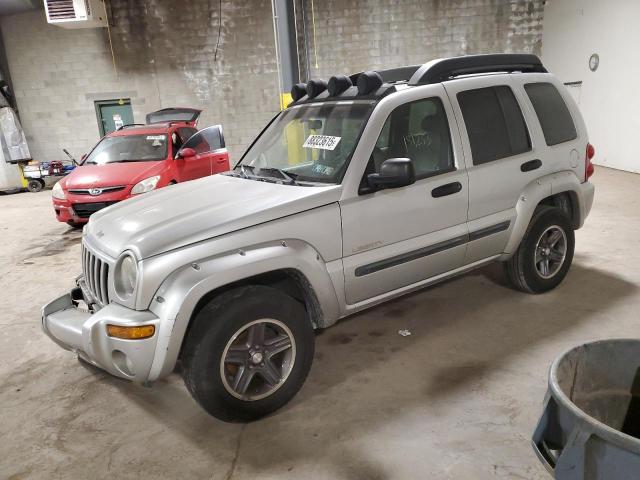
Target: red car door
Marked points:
217	149
192	160
220	161
211	155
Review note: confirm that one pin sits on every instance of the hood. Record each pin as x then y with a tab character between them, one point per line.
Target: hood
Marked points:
198	210
111	174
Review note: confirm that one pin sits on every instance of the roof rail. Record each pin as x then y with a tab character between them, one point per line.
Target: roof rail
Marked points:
122	127
440	70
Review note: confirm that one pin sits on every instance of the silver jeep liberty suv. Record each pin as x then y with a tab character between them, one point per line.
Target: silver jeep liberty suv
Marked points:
365	188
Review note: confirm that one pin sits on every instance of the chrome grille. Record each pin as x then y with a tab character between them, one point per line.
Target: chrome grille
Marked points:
96	191
96	276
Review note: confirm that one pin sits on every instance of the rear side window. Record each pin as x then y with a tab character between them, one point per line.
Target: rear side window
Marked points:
494	122
555	119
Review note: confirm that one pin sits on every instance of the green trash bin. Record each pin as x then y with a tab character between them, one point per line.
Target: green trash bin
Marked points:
590	426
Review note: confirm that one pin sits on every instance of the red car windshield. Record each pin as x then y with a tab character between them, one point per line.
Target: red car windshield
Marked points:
129	148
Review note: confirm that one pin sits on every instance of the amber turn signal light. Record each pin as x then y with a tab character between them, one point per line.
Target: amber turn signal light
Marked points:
131	333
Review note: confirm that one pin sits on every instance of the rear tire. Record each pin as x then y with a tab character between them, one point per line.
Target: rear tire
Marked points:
545	252
77	226
35	185
237	362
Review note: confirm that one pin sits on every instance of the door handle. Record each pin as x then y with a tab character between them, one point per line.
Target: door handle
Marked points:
448	189
530	165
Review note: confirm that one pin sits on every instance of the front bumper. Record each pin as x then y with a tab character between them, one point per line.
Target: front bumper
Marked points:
77	208
85	333
65	213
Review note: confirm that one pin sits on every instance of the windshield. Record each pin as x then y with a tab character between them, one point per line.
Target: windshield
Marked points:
130	148
312	143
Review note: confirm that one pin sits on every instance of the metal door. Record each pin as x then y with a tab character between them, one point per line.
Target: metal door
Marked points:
113	114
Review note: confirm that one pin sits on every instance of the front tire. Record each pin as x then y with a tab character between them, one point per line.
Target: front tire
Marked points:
545	252
248	353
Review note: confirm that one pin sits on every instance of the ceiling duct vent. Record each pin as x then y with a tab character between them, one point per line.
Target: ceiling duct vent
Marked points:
76	13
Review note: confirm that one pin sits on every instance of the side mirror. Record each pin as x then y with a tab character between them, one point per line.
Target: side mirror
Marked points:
394	173
186	153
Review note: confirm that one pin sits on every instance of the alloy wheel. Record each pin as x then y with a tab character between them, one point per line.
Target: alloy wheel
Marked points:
550	252
258	359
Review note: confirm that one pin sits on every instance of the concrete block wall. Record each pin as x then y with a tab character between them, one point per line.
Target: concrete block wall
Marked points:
164	52
348	37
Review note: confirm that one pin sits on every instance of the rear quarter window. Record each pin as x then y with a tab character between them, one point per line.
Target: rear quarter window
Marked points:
553	114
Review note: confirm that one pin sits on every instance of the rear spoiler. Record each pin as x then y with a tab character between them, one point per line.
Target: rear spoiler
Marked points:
188	115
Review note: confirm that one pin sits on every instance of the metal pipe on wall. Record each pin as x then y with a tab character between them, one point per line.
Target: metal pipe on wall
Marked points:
284	31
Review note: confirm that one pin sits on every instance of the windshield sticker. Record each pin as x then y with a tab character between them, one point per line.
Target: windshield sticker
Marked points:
158	140
323	169
323	142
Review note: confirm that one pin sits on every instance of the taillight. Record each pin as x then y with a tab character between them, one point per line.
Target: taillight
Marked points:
588	166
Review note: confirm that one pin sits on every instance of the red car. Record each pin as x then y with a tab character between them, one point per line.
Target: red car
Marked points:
136	159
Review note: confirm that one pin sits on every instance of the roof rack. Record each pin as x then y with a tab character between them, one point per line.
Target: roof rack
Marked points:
437	71
128	125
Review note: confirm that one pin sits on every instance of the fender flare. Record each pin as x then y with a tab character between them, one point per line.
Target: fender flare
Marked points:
180	293
530	198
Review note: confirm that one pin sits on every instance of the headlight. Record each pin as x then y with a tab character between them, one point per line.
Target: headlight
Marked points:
57	192
126	276
145	185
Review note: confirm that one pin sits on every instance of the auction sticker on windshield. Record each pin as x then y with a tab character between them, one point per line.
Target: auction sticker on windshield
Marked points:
323	142
158	140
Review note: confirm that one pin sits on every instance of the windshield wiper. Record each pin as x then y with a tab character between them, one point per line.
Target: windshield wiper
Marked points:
242	167
288	177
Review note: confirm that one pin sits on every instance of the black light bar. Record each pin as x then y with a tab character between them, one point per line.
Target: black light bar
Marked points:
379	83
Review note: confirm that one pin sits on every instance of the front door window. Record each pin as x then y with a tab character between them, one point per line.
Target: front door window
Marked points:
419	131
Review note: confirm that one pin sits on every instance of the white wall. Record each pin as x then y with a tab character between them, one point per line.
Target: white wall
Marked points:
609	97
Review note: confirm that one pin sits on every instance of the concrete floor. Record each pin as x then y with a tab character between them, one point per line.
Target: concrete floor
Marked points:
458	399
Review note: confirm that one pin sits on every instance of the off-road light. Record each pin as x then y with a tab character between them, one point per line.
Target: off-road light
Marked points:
338	84
131	333
298	91
369	82
315	87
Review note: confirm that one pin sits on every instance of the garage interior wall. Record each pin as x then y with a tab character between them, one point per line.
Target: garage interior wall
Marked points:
165	52
609	97
367	34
